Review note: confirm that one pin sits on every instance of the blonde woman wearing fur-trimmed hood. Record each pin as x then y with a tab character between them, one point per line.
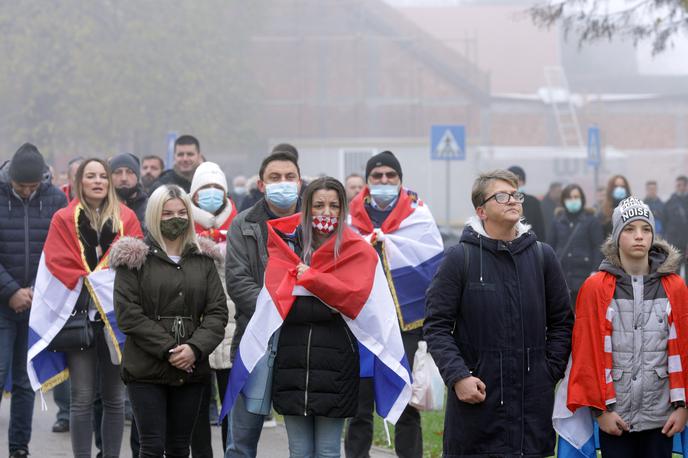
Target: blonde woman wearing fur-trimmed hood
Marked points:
171	305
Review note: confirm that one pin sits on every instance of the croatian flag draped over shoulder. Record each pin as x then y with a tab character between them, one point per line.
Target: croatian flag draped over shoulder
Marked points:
62	273
412	250
353	284
578	432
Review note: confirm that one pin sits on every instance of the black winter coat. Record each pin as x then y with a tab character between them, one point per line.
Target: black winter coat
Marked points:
23	228
583	254
151	292
171	176
508	324
317	363
676	221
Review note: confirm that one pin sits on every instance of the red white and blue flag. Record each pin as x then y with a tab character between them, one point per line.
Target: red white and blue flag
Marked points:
354	284
62	273
412	250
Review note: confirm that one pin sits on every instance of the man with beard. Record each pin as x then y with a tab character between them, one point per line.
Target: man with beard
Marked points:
125	171
151	169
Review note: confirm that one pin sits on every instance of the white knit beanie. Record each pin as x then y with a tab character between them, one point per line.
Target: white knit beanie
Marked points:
205	174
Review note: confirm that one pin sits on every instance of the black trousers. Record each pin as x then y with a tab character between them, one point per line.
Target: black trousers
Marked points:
201	446
165	416
408	436
222	382
642	444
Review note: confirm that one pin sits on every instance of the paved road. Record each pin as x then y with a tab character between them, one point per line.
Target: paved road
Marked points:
46	444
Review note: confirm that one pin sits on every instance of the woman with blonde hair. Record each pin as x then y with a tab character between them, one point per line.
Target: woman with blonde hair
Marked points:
170	304
76	253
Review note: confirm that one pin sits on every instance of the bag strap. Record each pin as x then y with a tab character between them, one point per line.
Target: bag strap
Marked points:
568	242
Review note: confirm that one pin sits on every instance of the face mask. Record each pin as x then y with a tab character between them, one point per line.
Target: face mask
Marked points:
239	190
211	199
384	193
619	193
325	224
283	194
573	205
125	193
172	228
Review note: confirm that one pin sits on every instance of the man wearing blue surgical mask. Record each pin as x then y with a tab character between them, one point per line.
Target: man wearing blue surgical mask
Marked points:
280	182
370	209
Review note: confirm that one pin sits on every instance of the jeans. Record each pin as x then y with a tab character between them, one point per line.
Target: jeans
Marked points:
244	431
642	444
61	396
82	370
165	417
14	332
222	382
408	436
314	437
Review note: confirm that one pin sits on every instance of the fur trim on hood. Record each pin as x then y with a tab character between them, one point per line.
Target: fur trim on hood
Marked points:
128	251
477	226
610	250
211	249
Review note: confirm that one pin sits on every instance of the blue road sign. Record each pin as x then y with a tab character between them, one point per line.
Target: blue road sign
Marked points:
448	143
169	140
594	147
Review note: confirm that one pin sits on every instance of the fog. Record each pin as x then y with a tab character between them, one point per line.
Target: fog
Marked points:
342	79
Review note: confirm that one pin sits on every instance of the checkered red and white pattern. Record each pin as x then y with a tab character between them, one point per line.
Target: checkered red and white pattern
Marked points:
325	224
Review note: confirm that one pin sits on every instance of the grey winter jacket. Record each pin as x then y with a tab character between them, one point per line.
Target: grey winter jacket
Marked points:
247	255
639	338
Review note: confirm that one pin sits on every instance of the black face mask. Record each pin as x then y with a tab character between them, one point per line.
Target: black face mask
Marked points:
125	193
172	228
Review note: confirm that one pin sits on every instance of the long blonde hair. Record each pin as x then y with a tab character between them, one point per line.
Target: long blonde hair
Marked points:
109	208
156	202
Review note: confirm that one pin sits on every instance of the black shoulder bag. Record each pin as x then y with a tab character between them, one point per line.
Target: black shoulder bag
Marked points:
77	333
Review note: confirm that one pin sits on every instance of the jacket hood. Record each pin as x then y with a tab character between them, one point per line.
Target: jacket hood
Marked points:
128	252
664	257
131	252
475	233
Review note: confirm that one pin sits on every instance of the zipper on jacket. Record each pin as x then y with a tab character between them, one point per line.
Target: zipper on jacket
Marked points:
308	369
501	380
349	339
528	358
26	243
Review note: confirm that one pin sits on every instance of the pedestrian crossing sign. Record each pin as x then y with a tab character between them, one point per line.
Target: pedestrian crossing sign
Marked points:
448	143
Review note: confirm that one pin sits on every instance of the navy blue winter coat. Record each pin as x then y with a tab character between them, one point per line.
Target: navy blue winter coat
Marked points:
509	324
23	228
583	254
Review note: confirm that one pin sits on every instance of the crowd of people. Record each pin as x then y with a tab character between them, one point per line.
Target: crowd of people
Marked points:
136	292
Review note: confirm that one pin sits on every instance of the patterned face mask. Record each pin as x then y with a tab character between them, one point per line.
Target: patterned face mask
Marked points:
325	224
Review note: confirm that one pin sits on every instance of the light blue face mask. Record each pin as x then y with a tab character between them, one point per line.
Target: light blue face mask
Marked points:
573	205
384	194
211	199
283	194
619	193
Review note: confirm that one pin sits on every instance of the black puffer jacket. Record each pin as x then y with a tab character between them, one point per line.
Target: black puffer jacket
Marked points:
151	292
317	363
582	255
23	228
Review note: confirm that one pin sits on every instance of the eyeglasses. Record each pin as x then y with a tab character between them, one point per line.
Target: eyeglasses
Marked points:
503	197
378	175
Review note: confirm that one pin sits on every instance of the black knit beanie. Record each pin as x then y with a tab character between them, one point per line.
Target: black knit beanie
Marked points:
127	160
27	165
384	158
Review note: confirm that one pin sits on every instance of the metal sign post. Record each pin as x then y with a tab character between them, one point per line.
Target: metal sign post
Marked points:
595	153
169	140
448	143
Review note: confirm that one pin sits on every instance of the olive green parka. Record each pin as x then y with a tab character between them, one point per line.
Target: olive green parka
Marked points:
160	304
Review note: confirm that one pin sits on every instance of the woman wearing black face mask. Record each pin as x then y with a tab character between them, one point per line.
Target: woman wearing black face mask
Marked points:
576	236
163	287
